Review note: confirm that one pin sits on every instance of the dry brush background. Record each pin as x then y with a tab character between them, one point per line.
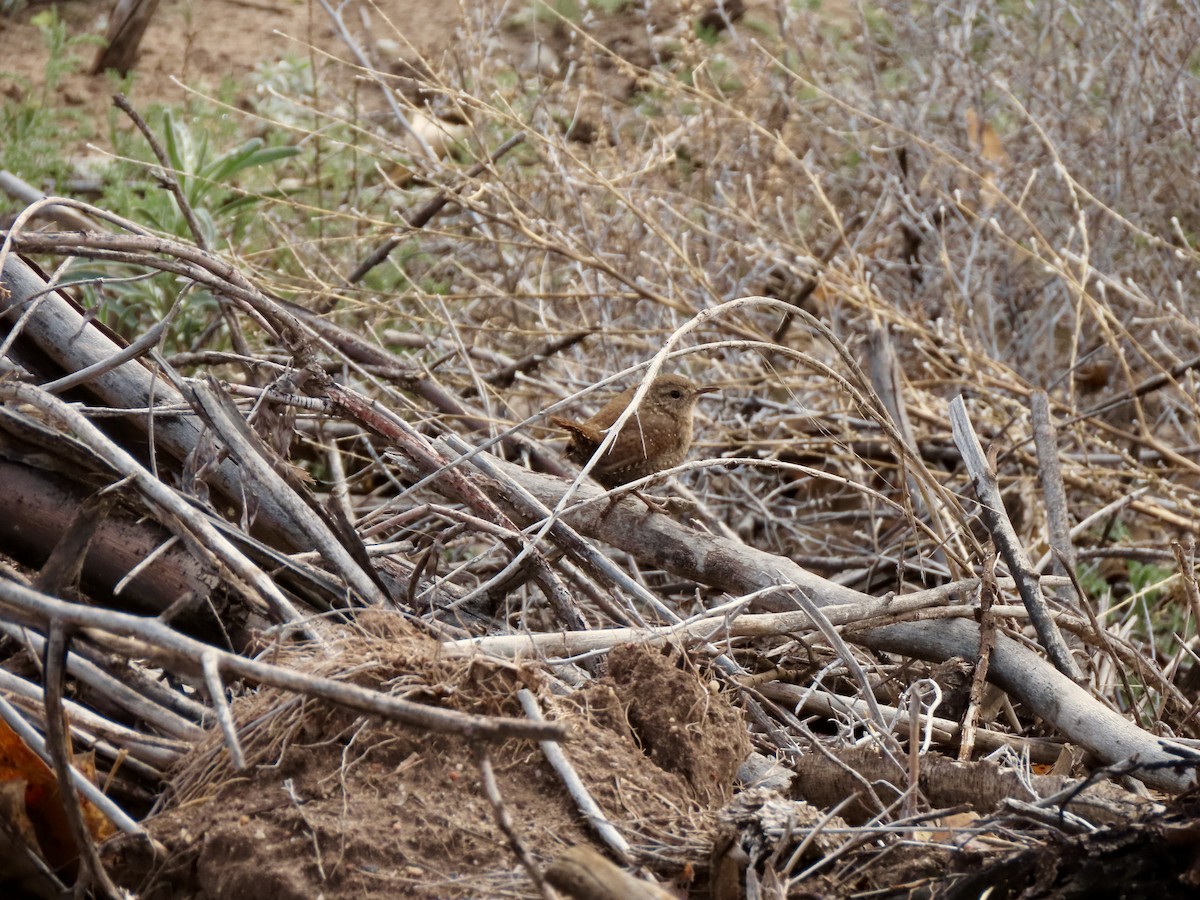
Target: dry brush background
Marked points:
369	563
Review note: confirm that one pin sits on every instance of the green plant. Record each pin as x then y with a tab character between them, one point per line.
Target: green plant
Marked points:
35	129
610	7
131	306
61	61
1149	579
223	209
207	181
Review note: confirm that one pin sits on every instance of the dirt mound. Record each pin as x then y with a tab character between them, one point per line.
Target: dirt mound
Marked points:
337	805
682	726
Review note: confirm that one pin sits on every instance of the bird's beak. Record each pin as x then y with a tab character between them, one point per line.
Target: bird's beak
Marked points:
707	389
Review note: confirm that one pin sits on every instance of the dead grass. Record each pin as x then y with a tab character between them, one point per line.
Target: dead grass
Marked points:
1010	196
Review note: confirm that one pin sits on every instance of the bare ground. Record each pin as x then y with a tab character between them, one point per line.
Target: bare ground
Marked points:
200	43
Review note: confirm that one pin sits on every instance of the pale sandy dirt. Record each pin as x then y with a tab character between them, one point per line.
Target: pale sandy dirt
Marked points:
202	42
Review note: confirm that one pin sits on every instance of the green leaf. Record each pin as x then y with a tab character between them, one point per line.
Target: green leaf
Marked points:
171	141
250	154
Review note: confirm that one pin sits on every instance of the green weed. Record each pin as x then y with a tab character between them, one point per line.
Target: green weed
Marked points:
35	128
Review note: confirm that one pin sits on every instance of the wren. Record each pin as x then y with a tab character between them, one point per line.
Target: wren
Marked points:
656	437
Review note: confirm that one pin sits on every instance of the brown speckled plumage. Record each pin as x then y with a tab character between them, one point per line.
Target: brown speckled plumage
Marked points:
656	437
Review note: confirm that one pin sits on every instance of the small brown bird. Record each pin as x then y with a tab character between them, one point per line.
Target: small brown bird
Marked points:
656	437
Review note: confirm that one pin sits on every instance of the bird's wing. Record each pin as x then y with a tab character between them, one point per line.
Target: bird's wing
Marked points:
634	446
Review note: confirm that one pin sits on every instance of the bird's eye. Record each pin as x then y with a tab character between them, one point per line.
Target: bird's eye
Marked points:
676	393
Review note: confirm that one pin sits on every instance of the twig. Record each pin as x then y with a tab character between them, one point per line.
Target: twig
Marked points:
453	483
503	378
815	615
944	731
60	573
216	693
583	799
388	96
378	361
255	585
22	190
168	171
143	344
115	690
578	549
813	833
421	217
1050	475
504	820
810	282
913	788
1153	383
91	869
289	788
150	638
1059	819
994	517
1185	559
884	370
339	489
151	754
64	339
983	659
709	628
264	471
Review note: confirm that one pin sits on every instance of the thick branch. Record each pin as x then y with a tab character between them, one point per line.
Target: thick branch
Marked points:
657	540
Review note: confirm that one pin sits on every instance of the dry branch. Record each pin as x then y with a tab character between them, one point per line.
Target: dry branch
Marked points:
992	511
149	638
741	570
127	23
579	793
423	216
982	785
990	268
60	340
252	582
